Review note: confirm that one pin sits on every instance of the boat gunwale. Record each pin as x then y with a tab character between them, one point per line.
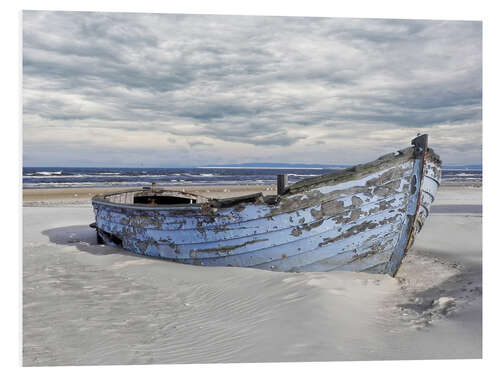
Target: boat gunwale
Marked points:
360	170
101	199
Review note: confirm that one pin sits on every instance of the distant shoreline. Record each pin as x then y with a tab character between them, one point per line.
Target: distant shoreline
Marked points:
220	167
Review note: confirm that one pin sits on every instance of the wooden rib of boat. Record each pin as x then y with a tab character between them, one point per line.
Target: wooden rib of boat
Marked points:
363	218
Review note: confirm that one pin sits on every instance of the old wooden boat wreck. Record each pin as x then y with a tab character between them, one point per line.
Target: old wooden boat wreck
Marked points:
364	218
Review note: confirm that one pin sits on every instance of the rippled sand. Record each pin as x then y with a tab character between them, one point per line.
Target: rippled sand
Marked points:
89	304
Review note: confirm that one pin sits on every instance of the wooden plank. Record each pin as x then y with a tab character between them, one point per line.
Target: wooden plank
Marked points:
282	183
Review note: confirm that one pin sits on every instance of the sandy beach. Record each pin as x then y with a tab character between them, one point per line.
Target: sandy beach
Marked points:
57	196
89	304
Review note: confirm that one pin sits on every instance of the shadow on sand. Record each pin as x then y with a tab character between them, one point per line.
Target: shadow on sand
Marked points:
84	239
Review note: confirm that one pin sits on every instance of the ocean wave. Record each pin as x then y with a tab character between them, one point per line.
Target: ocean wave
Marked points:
34	176
466	175
73	184
102	175
131	177
301	175
48	173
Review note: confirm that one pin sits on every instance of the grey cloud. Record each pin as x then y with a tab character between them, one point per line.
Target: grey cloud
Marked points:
259	81
199	144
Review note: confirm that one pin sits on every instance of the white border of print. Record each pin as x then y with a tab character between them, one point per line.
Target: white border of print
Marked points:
12	160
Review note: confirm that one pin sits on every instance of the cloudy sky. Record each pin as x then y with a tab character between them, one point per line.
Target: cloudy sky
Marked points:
116	89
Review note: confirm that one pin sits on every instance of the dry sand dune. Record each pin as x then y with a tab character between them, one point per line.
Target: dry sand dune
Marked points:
89	304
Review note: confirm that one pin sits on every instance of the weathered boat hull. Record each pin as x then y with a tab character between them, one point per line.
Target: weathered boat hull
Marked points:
362	219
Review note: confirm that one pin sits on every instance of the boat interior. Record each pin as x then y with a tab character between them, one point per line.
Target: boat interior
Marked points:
152	197
163	197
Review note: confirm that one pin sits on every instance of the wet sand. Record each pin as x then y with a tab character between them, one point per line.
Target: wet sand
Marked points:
84	195
89	304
